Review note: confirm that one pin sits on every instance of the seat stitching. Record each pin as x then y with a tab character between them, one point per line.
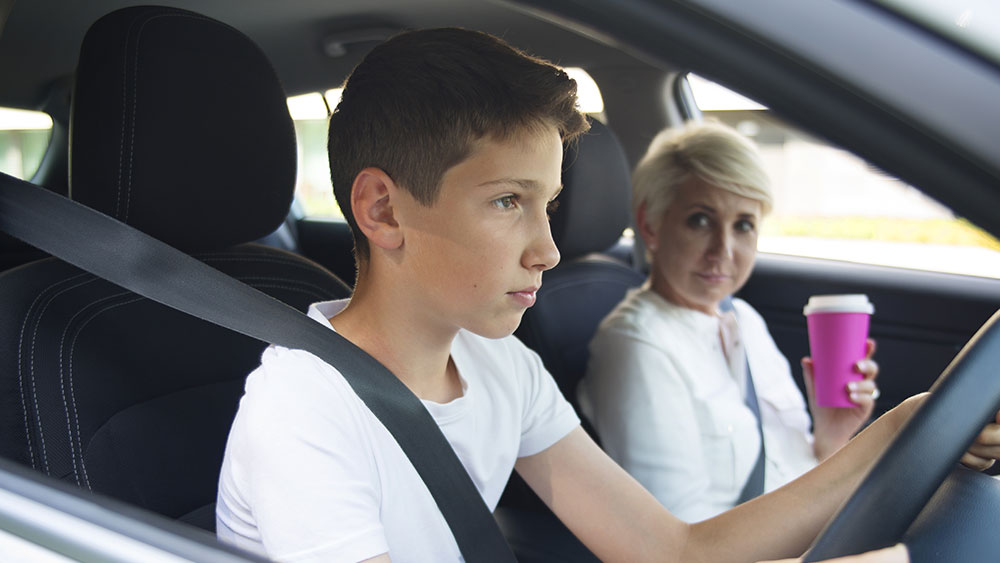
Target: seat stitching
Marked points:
135	103
235	257
121	150
72	392
266	259
318	294
20	371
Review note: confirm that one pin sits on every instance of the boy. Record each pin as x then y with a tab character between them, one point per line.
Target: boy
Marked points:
445	154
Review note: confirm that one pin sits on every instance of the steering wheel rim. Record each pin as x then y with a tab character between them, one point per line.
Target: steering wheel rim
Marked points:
917	461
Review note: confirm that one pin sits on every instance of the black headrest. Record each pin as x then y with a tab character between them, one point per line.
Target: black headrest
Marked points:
594	205
180	128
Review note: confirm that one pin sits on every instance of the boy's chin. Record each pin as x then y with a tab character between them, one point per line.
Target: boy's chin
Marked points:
494	334
495	331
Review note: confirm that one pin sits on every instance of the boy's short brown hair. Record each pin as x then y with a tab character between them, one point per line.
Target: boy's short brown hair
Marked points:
416	104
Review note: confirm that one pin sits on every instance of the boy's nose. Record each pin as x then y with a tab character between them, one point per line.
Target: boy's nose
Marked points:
542	254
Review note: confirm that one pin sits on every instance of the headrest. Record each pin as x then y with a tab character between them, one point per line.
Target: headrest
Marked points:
594	207
180	128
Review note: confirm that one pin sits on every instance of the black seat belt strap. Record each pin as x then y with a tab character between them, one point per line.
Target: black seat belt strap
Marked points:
136	261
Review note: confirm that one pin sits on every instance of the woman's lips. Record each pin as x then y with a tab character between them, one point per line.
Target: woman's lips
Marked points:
712	277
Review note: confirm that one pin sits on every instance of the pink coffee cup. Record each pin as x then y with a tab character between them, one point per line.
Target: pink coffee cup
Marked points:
838	331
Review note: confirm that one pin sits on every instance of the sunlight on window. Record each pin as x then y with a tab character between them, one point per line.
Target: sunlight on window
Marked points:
23	120
24	137
832	204
333	97
588	94
713	97
307	106
313	190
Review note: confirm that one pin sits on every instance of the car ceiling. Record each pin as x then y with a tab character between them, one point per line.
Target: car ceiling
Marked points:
40	39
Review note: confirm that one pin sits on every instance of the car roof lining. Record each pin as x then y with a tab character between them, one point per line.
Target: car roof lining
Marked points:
292	37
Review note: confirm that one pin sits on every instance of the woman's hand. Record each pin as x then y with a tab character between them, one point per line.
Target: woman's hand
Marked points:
985	449
833	427
894	554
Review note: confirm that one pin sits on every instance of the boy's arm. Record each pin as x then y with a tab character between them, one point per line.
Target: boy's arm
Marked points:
619	521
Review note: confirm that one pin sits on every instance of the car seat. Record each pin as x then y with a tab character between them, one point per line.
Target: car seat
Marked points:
575	296
594	209
179	128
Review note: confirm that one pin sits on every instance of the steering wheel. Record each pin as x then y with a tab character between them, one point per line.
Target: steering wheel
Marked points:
959	525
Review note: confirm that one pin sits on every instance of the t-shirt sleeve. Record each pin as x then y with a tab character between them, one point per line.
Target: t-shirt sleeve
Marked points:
643	411
546	415
300	457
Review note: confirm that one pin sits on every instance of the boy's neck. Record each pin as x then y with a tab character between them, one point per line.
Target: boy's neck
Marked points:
393	329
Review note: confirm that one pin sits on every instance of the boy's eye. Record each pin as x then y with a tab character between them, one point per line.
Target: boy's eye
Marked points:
697	220
506	202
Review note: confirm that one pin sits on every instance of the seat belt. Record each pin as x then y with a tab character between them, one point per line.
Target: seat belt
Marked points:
754	486
144	265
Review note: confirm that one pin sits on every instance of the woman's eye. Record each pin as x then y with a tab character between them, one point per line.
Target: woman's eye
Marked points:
697	220
506	202
745	226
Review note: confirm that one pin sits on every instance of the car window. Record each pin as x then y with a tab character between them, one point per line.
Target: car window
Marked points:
972	23
310	112
832	204
24	136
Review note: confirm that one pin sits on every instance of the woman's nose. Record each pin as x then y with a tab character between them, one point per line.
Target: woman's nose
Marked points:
722	246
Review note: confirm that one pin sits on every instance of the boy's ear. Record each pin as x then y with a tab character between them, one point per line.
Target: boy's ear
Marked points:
647	233
373	208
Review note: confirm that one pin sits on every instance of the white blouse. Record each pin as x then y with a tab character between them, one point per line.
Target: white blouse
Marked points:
669	408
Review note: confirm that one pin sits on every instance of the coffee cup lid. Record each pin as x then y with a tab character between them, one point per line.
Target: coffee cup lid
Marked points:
853	303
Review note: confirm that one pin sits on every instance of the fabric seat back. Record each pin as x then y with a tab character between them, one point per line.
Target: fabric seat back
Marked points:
179	128
590	280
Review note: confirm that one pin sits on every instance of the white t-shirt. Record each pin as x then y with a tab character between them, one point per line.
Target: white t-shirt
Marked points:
310	474
669	407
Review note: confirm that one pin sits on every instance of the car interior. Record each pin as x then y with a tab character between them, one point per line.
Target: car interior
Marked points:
78	344
175	122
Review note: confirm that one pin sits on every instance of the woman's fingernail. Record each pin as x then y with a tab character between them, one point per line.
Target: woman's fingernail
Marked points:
852	385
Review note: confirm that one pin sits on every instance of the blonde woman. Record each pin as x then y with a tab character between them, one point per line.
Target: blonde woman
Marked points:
668	387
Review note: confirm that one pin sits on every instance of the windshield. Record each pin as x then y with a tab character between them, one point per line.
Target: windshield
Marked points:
972	23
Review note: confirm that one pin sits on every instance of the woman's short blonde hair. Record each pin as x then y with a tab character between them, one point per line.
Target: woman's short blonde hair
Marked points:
713	152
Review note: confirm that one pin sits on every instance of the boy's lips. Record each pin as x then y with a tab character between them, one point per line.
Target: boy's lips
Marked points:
524	297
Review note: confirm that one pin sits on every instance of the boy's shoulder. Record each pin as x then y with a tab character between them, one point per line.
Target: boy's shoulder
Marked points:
287	377
293	385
